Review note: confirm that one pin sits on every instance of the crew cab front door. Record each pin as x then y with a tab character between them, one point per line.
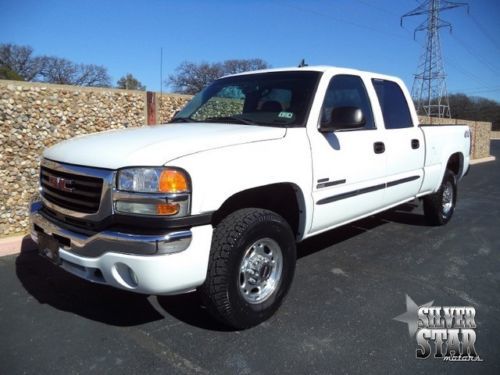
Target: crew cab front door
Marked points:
348	166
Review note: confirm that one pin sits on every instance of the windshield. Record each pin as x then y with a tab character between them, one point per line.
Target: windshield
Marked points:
275	99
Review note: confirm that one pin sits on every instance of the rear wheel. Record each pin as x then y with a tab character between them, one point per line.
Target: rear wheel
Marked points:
439	207
251	267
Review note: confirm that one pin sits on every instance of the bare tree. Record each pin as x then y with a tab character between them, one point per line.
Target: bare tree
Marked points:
57	70
92	75
129	82
63	71
240	66
20	60
190	78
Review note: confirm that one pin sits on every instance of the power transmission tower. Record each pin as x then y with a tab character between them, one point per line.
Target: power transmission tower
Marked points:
429	85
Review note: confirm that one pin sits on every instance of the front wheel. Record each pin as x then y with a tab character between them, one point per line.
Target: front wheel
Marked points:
439	207
251	267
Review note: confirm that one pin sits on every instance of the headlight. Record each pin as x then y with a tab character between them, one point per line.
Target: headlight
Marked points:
152	191
153	180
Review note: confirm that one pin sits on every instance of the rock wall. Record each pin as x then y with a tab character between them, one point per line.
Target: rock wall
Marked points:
495	134
34	116
168	105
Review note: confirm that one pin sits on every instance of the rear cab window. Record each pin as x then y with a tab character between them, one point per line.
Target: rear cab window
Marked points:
393	104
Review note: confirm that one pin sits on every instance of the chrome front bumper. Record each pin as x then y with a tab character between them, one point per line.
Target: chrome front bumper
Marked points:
108	241
169	263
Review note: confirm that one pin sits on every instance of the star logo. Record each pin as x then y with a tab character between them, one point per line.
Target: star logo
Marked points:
411	315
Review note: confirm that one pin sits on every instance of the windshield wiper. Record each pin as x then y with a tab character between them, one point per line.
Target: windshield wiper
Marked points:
182	119
230	119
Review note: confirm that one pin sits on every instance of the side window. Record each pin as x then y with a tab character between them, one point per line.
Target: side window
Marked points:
347	91
393	103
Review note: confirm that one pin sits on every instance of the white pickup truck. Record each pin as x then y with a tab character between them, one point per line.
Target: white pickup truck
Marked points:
216	200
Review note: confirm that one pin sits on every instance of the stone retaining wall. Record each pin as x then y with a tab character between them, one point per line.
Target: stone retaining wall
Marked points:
34	116
495	134
168	105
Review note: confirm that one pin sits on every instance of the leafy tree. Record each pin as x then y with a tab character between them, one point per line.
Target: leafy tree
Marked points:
129	82
190	78
7	73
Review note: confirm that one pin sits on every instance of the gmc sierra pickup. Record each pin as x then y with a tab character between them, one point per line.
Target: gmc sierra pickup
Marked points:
216	200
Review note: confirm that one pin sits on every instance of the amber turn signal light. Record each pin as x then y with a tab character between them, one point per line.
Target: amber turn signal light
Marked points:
173	181
167	209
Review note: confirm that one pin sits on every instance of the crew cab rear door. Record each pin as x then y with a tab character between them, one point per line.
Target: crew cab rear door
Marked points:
348	165
405	147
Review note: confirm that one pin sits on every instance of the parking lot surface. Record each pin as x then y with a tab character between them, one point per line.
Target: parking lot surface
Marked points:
338	318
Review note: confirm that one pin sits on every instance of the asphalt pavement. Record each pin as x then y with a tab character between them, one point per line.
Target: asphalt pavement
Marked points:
338	318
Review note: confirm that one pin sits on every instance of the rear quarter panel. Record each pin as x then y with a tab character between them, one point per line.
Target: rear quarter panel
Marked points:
441	142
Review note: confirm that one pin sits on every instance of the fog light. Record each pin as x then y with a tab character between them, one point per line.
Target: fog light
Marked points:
124	275
133	277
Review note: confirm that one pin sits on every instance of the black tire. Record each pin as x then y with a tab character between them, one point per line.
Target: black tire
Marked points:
439	207
227	293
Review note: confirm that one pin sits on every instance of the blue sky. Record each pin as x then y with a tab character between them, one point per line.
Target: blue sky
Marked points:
126	36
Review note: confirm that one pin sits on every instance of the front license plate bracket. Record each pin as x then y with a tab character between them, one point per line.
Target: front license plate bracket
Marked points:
48	247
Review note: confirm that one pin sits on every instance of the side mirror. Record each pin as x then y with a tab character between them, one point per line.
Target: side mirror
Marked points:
344	118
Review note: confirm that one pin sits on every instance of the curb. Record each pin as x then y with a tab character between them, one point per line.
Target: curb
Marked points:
14	245
482	160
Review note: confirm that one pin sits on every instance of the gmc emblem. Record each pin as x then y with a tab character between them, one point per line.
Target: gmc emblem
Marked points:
60	183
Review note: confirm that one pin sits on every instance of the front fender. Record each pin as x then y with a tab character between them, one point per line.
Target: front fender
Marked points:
218	174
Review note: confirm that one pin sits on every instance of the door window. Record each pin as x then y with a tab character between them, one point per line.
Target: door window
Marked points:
393	103
347	91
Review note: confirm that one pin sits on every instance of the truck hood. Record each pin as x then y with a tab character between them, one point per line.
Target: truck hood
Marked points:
155	145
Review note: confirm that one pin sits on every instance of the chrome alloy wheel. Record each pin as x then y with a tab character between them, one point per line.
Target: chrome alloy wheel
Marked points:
260	270
447	201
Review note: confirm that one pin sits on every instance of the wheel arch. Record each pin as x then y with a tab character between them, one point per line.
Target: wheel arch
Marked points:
286	199
456	164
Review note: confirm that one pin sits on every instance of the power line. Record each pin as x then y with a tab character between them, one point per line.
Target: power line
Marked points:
378	7
485	32
480	91
341	20
384	10
465	72
484	85
476	55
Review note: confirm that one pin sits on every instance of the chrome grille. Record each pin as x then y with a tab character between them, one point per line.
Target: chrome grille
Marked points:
71	191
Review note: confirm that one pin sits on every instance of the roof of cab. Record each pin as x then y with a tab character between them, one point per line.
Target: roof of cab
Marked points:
319	68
